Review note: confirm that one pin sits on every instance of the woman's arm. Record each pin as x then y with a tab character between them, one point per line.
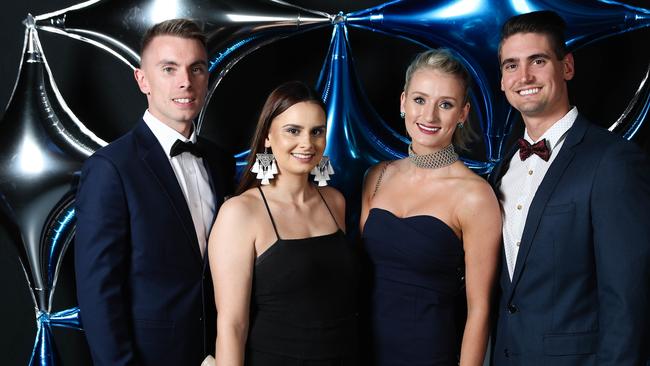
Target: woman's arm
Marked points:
480	220
231	251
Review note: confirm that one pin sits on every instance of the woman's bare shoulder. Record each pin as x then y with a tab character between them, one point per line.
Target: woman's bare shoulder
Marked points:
477	192
333	196
243	205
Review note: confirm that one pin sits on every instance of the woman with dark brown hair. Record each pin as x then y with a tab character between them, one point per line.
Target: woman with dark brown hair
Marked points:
285	278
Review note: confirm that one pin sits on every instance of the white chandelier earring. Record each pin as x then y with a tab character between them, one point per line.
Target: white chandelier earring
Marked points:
264	166
322	171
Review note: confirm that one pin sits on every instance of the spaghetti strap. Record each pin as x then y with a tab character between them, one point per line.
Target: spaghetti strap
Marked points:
381	175
275	228
328	209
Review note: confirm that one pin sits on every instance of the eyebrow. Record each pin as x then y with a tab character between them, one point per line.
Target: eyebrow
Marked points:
427	95
200	62
529	58
174	63
301	127
419	93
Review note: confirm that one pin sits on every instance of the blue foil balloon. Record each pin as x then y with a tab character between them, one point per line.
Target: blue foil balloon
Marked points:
356	136
44	352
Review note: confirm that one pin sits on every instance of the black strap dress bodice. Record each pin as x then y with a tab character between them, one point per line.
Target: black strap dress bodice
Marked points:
304	297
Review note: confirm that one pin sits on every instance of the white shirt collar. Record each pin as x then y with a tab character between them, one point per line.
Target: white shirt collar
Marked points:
557	132
165	135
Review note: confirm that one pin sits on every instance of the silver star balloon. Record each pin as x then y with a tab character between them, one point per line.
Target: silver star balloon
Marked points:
233	28
117	27
42	147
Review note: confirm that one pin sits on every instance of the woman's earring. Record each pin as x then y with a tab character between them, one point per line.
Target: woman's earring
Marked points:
322	171
460	124
264	166
402	115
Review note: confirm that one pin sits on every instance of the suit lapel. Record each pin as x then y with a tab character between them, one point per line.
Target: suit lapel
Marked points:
543	194
156	160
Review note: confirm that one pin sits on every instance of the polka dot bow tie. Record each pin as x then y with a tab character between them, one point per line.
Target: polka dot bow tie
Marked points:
540	148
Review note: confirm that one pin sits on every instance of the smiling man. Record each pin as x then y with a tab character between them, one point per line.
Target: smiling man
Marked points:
145	206
576	263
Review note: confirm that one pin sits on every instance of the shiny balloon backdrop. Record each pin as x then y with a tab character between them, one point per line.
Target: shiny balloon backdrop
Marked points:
43	143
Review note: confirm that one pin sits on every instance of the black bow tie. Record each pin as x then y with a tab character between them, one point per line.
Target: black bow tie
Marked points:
180	147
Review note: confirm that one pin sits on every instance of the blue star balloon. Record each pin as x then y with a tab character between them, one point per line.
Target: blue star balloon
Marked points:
356	135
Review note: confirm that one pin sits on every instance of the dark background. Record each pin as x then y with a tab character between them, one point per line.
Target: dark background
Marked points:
102	93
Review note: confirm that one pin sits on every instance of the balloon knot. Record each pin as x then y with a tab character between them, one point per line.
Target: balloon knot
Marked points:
339	18
29	22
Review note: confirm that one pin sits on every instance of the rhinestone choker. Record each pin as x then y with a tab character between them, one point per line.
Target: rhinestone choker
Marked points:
438	159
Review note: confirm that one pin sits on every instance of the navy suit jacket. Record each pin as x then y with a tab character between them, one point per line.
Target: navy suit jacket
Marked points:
139	270
580	289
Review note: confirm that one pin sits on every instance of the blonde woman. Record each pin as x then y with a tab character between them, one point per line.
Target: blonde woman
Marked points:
431	228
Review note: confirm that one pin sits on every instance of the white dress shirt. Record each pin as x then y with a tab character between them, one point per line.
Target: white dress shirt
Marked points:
520	183
191	176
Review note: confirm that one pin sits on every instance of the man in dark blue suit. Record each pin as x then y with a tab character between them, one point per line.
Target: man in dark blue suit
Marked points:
574	287
145	207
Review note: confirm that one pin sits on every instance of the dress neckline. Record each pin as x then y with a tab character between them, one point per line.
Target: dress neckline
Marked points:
451	231
280	241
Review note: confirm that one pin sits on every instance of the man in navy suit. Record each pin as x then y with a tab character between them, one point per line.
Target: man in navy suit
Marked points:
574	287
145	207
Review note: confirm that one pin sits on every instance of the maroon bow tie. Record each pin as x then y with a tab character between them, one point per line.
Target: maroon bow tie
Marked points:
539	148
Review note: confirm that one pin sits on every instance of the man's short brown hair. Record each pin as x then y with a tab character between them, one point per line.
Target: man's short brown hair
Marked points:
546	22
183	28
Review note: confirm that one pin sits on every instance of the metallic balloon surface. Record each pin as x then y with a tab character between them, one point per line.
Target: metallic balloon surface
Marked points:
233	28
44	353
117	26
42	145
356	135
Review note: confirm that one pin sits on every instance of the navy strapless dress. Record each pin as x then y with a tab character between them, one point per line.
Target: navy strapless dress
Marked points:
416	307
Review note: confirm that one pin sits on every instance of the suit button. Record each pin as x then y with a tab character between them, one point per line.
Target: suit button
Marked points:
512	308
506	352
